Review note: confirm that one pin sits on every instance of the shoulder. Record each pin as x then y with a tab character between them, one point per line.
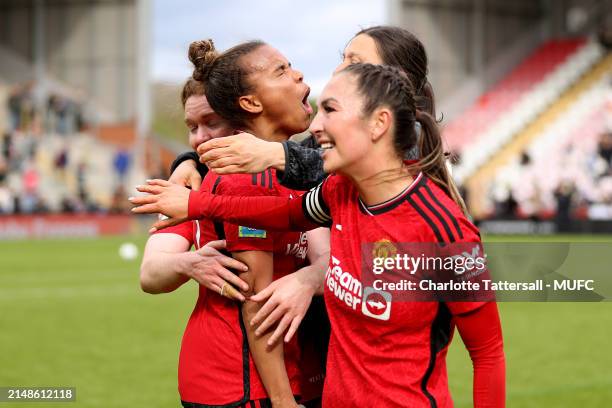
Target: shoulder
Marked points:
263	183
439	215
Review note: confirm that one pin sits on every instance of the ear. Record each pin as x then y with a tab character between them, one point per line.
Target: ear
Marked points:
380	123
250	103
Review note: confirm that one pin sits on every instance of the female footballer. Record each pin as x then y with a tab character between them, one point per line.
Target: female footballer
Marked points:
216	342
299	165
365	125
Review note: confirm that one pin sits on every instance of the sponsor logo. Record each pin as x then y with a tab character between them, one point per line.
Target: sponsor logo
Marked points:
345	287
246	232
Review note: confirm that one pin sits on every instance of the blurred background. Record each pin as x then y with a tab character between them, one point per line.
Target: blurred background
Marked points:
90	107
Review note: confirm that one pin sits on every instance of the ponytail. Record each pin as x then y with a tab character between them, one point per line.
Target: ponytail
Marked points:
433	160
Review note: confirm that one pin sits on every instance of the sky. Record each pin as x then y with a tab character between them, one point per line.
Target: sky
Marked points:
311	34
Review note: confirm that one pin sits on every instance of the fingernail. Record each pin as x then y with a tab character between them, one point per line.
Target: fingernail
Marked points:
130	198
152	230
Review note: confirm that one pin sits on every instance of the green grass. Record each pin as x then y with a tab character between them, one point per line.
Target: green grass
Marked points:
72	314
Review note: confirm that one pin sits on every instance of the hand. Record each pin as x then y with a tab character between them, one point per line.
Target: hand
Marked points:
186	174
287	299
241	153
210	268
165	198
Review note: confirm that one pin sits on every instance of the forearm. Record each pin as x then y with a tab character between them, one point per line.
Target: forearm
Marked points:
163	272
303	166
273	213
482	335
314	274
269	361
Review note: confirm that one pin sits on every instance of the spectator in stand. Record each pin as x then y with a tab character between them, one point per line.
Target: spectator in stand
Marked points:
604	150
7	146
14	108
121	164
564	195
7	201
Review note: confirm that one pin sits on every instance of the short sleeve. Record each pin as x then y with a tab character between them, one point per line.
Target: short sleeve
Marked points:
184	229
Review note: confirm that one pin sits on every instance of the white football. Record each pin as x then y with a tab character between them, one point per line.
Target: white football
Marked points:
128	251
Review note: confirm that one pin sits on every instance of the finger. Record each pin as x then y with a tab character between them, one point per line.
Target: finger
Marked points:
263	294
233	279
295	323
224	162
165	223
159	182
195	181
280	329
232	293
149	189
233	264
215	154
265	310
270	321
212	144
218	244
146	209
148	199
233	169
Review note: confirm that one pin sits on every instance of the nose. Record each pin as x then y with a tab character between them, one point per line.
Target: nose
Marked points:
316	126
298	76
202	135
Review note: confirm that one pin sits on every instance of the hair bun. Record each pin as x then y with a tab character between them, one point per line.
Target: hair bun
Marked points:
202	55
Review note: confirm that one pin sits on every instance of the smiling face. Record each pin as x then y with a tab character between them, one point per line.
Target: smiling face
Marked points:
361	49
279	93
339	127
203	123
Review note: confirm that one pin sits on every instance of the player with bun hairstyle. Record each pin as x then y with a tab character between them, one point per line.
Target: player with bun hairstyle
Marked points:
251	87
365	125
300	165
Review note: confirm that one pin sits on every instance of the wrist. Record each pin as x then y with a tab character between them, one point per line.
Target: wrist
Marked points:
184	264
283	401
277	156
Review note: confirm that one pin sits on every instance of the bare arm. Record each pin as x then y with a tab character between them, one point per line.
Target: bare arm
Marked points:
269	361
287	299
167	264
164	263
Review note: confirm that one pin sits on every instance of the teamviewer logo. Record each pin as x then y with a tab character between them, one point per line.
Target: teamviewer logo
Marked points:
376	303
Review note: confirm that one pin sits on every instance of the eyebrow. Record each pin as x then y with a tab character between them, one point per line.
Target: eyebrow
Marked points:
283	65
328	100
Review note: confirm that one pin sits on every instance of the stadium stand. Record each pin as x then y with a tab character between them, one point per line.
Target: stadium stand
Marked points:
541	154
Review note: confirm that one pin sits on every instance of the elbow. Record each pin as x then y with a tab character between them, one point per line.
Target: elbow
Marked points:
147	284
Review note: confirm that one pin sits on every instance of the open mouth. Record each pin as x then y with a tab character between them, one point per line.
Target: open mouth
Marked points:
305	103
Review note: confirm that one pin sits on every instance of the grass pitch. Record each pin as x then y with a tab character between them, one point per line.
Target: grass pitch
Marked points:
72	314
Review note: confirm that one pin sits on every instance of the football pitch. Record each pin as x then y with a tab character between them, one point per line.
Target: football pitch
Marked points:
72	315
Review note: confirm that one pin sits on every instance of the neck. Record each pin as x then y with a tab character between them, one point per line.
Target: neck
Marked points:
266	130
379	180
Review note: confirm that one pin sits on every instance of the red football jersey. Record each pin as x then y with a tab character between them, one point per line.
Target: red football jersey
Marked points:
215	366
383	352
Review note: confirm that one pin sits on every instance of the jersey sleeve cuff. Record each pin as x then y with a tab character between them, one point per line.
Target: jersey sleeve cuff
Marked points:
194	205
